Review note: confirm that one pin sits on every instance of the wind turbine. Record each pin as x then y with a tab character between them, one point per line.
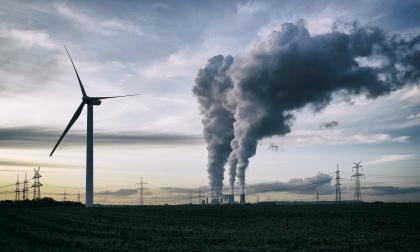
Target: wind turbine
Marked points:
90	102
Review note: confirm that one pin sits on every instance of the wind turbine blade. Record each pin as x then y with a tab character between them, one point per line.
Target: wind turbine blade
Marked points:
73	119
78	78
110	97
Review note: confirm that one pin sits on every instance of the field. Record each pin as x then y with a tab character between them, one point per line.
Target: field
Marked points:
392	227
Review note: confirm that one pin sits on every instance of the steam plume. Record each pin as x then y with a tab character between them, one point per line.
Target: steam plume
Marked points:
291	69
211	87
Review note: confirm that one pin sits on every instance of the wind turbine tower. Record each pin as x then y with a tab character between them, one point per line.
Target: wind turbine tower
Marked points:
90	101
357	177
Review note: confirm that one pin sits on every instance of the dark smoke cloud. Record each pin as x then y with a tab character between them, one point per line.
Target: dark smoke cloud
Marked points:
291	69
211	87
328	125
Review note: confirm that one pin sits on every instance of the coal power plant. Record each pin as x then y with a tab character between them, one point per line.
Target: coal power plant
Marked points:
249	97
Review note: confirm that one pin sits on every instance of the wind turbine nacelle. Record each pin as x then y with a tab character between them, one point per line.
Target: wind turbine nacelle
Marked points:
94	102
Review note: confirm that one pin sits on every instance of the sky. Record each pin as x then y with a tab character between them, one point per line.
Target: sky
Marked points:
156	48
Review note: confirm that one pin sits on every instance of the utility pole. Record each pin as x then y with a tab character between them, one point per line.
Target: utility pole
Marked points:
190	196
357	176
337	186
78	196
37	184
25	188
141	190
65	195
17	190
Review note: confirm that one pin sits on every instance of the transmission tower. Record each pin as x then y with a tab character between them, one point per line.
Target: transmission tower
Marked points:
337	186
25	190
78	196
190	196
141	190
200	197
37	184
17	190
65	195
357	177
317	196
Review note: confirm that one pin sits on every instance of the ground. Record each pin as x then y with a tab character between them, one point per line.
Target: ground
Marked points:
391	227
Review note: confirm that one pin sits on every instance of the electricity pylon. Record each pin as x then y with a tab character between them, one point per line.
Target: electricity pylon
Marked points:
17	190
37	184
200	197
141	190
357	176
337	186
317	196
25	189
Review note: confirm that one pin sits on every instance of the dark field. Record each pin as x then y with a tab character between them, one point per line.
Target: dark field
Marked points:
392	227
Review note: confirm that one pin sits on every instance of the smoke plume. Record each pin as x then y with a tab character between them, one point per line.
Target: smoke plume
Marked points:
211	87
291	69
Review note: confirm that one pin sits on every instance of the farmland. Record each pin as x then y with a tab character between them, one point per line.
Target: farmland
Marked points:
212	228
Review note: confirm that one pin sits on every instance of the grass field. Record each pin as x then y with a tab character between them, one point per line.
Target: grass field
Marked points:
392	227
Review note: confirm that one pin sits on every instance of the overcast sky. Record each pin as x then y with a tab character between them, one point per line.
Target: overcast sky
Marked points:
156	48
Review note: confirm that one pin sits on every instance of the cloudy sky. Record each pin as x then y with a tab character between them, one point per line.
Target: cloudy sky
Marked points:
156	48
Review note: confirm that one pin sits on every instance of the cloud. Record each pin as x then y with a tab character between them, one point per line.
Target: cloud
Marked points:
389	190
414	116
28	38
88	21
392	158
307	137
320	182
120	192
249	8
307	185
328	125
32	164
184	190
41	137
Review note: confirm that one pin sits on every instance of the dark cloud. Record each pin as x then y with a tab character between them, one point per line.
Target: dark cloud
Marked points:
31	164
121	192
292	69
328	125
183	190
389	190
320	182
39	137
211	87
